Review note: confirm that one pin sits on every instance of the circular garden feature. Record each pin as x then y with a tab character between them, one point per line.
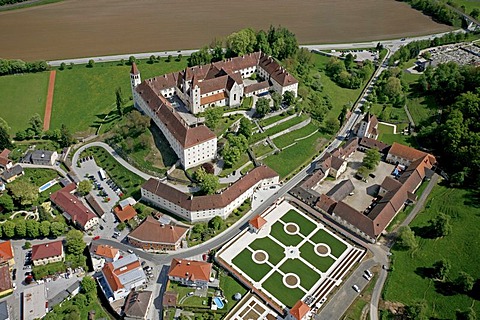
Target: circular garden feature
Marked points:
291	280
322	249
260	256
291	228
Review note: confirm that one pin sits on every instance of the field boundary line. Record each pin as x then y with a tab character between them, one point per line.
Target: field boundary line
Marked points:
49	102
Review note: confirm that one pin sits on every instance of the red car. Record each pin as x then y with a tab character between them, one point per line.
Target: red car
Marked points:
96	237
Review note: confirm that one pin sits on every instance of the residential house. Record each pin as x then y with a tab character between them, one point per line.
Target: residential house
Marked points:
404	155
367	127
5	280
101	254
41	157
299	311
73	209
190	272
203	208
121	276
368	143
152	235
125	213
35	305
169	299
63	295
12	173
256	223
137	305
46	253
6	254
5	162
93	203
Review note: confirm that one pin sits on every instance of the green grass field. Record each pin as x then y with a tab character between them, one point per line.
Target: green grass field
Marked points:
306	226
271	120
335	245
407	282
275	252
244	261
288	160
274	285
84	96
278	128
261	149
308	276
469	4
288	139
287	239
307	252
22	96
387	136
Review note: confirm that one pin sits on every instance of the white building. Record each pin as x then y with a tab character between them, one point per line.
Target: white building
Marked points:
203	208
121	276
34	302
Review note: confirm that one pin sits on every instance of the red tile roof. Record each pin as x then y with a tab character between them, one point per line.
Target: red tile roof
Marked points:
5	279
190	270
213	98
126	214
4	157
299	310
111	274
152	231
105	251
134	69
257	222
72	205
47	250
212	201
6	252
405	152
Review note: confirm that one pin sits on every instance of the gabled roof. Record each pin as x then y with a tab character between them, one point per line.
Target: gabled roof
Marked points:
123	271
355	218
257	222
326	203
390	184
336	162
372	143
47	250
72	206
104	250
299	310
190	270
134	69
126	213
6	252
212	201
5	278
406	152
137	303
12	172
4	157
341	190
152	231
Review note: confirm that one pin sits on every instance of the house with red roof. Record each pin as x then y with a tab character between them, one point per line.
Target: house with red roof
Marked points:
5	162
102	253
125	213
6	254
153	236
256	223
190	272
46	253
299	311
73	208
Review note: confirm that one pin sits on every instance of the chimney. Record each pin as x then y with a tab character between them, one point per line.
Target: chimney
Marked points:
188	263
46	246
171	227
43	155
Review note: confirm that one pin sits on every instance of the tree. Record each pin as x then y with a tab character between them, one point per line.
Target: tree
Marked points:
27	245
5	142
89	286
242	42
74	242
8	229
343	113
475	13
441	225
23	192
230	155
441	269
331	125
119	101
277	100
216	223
465	282
121	226
57	228
62	66
84	187
80	300
469	314
6	202
417	310
65	137
151	59
90	63
20	228
245	128
36	123
131	60
371	159
169	58
200	57
44	228
212	116
262	106
406	238
32	228
289	98
4	124
179	57
349	61
209	184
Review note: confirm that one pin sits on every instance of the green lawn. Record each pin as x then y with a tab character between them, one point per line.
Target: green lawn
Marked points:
279	233
254	270
275	252
38	177
63	311
274	285
307	252
469	4
388	113
230	286
335	245
244	158
288	139
387	136
225	123
22	96
84	96
306	226
268	121
261	149
128	181
288	160
408	283
278	128
308	277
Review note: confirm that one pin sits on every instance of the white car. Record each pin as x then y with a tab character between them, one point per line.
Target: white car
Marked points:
369	273
367	277
356	288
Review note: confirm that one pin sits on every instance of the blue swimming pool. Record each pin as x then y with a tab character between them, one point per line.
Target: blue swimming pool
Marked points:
218	302
47	185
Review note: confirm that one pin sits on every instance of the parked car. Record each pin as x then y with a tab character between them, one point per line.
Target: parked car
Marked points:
96	238
130	251
356	288
369	273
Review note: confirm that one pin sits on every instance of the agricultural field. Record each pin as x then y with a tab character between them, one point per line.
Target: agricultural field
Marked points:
409	282
290	253
92	28
22	95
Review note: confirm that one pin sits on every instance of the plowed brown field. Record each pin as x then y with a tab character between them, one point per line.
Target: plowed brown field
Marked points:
81	28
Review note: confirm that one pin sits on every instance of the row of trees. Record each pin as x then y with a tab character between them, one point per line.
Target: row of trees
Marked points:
19	66
278	42
31	229
438	11
389	88
345	72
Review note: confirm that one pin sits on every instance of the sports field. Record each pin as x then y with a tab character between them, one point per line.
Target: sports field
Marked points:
289	257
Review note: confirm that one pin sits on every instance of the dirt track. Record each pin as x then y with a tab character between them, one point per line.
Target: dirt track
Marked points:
80	28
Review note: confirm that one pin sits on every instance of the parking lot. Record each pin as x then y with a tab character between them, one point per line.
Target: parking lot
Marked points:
364	191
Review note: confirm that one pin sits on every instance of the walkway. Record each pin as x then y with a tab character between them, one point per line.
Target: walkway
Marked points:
49	102
280	121
292	128
409	115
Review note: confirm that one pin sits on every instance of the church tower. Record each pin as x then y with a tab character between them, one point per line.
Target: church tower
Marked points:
135	80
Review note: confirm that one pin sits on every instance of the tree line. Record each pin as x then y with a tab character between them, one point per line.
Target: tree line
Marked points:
347	74
15	66
437	10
